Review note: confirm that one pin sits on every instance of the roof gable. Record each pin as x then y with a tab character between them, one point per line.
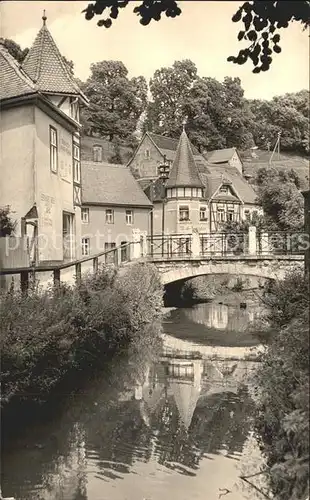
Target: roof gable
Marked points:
13	81
221	155
44	64
221	173
184	171
108	184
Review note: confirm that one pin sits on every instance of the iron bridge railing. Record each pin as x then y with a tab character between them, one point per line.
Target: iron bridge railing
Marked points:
281	243
167	246
221	244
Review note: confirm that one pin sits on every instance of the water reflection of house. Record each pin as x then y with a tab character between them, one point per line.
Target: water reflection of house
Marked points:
178	377
221	316
212	315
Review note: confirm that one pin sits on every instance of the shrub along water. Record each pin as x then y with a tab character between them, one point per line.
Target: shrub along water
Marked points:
47	336
283	382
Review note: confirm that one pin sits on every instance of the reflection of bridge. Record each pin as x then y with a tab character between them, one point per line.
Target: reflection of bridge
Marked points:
183	256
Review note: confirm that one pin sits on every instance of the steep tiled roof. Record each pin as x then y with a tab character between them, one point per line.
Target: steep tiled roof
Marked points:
184	171
45	66
13	81
168	143
221	155
110	184
219	174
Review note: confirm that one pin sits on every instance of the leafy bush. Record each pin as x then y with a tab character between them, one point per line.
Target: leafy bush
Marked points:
7	225
283	381
286	299
48	334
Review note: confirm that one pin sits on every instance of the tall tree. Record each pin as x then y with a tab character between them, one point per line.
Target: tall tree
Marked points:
217	113
288	114
116	102
15	50
261	20
170	88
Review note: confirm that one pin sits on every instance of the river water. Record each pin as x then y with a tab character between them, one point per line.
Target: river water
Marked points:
179	425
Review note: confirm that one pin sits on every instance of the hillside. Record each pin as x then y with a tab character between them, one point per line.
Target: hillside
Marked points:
254	160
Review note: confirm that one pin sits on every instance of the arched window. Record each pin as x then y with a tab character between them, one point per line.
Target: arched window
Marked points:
97	153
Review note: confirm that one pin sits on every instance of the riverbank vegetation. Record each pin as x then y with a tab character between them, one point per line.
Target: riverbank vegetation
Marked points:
283	381
50	336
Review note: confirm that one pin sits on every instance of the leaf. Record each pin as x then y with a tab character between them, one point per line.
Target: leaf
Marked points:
247	20
252	35
241	35
276	38
237	16
277	49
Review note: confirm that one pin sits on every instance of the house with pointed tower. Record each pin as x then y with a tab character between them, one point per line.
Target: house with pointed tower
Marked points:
198	195
40	148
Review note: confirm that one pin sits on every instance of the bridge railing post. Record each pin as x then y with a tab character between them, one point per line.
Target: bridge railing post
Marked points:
252	244
143	243
136	247
195	236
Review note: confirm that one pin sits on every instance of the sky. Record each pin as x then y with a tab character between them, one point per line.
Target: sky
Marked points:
203	33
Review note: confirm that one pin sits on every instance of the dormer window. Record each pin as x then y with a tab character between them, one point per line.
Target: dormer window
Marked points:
97	153
224	189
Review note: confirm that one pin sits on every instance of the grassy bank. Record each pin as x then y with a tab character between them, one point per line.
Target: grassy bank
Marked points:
283	382
50	337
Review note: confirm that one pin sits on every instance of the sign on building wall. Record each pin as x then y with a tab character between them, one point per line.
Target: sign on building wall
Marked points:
47	210
65	159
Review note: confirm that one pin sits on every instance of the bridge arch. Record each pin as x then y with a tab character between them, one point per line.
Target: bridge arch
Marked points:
268	269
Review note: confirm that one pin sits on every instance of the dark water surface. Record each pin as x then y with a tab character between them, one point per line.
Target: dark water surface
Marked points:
215	323
178	426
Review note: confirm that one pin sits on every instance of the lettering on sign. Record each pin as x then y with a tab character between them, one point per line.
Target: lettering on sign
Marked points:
65	146
47	209
65	159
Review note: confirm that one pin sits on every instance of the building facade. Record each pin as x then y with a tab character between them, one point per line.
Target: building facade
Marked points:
113	207
40	149
198	194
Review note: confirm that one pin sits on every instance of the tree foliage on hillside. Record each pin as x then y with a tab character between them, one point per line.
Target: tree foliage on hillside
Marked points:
279	194
218	115
116	102
288	114
261	20
170	87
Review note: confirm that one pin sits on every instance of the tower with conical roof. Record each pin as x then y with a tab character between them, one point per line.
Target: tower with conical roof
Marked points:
48	69
184	190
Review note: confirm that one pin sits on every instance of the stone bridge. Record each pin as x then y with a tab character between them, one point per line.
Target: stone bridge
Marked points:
272	267
180	257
